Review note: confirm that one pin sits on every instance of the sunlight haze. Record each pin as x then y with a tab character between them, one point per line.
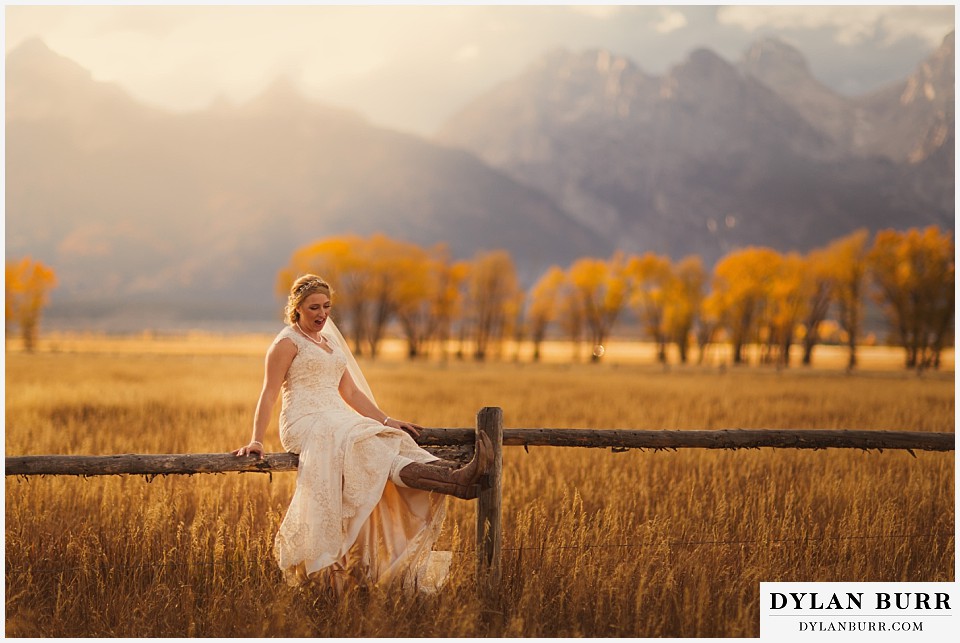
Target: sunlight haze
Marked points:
412	68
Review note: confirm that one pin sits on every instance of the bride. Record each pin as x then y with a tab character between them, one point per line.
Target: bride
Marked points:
362	512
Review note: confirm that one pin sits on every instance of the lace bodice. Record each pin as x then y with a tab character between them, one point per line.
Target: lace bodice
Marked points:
313	380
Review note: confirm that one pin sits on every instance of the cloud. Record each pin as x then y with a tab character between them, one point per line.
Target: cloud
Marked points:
850	25
412	66
598	12
670	21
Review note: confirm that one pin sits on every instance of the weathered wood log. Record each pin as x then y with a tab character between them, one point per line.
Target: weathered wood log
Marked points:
175	463
457	444
146	464
489	533
714	439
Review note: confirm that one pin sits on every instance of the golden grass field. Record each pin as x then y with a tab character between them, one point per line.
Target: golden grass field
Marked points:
595	543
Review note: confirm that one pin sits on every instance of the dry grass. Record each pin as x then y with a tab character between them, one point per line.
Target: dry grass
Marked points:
595	543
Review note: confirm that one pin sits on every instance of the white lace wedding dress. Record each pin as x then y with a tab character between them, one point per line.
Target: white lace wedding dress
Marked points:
349	522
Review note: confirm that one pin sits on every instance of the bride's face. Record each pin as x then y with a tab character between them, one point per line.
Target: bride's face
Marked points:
314	310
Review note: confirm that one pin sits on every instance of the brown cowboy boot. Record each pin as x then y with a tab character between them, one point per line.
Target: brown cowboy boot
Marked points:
461	483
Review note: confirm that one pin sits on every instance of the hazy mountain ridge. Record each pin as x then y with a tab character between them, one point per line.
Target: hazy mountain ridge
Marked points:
175	211
712	156
129	203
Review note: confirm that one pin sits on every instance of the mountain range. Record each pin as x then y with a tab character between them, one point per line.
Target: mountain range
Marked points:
713	155
162	219
149	215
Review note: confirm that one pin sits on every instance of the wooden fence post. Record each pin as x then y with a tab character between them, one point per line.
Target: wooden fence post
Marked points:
490	421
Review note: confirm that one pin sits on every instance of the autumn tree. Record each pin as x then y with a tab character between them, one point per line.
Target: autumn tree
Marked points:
544	305
515	325
418	291
493	291
28	284
571	316
848	267
709	322
343	262
401	275
741	283
377	280
519	325
651	284
602	288
684	302
787	301
12	298
449	304
914	273
817	288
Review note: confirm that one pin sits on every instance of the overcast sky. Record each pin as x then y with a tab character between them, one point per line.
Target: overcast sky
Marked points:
412	67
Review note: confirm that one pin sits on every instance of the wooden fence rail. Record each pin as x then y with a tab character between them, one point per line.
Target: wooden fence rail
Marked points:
715	439
458	444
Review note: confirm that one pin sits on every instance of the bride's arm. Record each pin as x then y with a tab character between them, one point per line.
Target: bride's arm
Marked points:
363	405
277	363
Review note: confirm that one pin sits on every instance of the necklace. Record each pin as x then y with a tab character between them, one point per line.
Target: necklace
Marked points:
323	340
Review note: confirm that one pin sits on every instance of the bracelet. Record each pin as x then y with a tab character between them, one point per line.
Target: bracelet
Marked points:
385	420
257	442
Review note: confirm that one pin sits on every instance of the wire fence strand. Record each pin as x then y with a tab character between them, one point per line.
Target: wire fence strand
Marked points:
535	548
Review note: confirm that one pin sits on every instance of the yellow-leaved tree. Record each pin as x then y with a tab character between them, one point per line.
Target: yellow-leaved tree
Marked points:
493	295
651	285
28	284
449	304
544	305
571	316
741	287
709	322
914	272
788	299
398	275
848	267
342	262
817	287
602	288
377	280
685	302
421	283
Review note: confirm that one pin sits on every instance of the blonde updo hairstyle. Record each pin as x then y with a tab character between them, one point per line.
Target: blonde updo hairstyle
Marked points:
303	287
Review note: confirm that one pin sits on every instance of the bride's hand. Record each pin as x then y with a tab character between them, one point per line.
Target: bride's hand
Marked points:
409	427
254	448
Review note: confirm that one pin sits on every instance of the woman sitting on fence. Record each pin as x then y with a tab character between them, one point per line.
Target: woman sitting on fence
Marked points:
362	512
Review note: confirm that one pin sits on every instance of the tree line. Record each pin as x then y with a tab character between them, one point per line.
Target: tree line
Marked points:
753	296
